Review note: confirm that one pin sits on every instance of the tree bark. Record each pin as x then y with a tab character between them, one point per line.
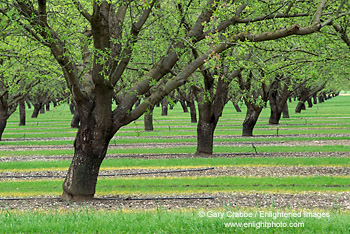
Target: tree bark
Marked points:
309	102
164	104
278	99
184	106
148	120
285	111
75	120
42	109
315	98
90	146
299	107
193	111
205	137
3	122
36	110
250	120
22	113
72	108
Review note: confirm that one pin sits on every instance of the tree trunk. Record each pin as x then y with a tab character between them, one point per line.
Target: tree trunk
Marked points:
148	120
3	122
72	108
89	152
36	110
42	109
285	111
320	98
299	107
309	102
28	105
164	103
22	113
205	137
75	120
90	146
250	120
47	106
276	111
183	105
315	98
193	111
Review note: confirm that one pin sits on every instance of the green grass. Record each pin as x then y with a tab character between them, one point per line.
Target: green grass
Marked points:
163	221
183	162
143	140
183	185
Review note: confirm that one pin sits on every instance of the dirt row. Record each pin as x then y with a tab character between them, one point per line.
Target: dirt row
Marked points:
170	145
179	156
205	201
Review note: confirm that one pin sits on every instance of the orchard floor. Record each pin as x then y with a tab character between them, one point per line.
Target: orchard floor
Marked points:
320	142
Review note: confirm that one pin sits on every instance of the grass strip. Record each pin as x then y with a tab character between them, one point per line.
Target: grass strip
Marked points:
140	140
130	163
188	149
168	185
163	221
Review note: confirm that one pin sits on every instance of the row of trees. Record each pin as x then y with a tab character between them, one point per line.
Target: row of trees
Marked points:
138	52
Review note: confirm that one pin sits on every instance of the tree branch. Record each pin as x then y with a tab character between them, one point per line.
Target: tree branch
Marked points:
82	10
127	52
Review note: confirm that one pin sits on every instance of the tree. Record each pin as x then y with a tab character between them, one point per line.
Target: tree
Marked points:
117	32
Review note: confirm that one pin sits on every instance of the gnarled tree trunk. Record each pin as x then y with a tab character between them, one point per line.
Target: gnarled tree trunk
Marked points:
90	146
250	120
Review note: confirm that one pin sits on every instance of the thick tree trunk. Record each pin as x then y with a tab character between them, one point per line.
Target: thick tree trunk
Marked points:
89	152
320	99
90	146
275	116
148	120
250	120
205	137
193	111
309	102
72	108
278	100
164	103
75	120
299	107
36	110
285	111
3	122
22	113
